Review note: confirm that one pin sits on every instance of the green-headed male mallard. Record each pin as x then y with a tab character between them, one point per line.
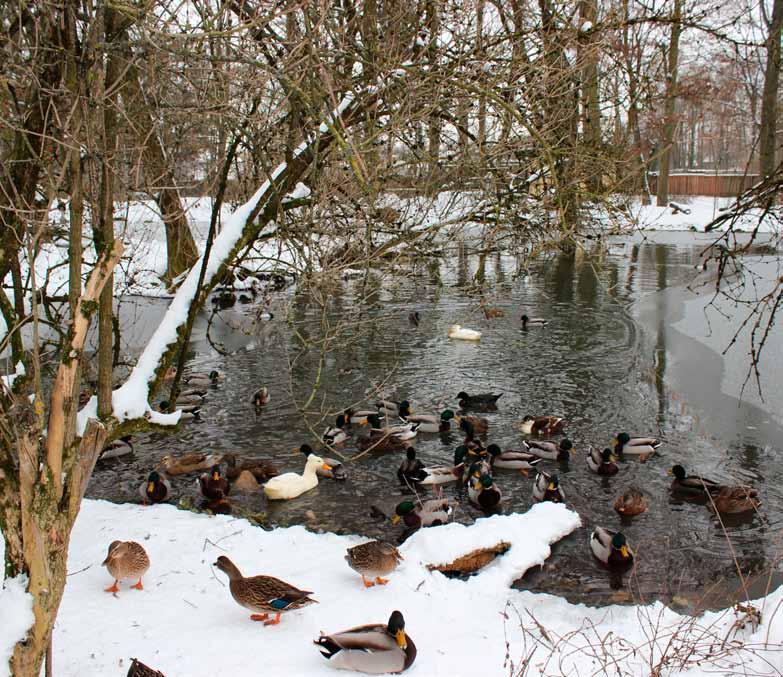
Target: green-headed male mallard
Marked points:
402	431
635	446
484	493
551	451
547	488
531	322
610	547
126	559
371	649
429	423
691	485
411	469
336	434
263	593
523	461
602	462
373	560
155	490
430	513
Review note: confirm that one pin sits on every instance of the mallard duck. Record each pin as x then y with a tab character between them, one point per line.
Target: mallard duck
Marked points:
263	593
542	425
610	547
126	559
484	493
693	485
636	446
547	488
602	462
411	469
261	397
403	431
155	490
261	469
189	402
735	500
373	560
492	313
414	318
213	485
117	448
549	450
336	469
371	649
477	401
391	407
194	392
435	476
463	334
433	512
352	416
631	503
512	460
429	423
188	463
336	434
381	442
188	412
246	482
531	322
473	425
203	378
290	485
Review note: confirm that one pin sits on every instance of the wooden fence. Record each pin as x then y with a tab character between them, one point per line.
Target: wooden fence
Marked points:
720	185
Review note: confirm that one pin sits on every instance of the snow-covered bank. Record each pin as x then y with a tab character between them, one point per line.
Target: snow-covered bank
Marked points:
185	623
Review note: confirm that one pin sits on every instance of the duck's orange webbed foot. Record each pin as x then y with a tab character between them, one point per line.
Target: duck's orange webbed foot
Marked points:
274	621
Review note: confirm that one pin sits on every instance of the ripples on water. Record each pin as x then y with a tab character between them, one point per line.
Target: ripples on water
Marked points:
591	364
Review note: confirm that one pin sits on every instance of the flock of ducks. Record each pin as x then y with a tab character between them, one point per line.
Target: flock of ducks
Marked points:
392	425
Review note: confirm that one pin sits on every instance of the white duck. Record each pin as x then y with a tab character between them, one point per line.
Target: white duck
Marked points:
458	332
290	485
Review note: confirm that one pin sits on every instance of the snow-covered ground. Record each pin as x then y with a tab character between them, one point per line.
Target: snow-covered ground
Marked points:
185	623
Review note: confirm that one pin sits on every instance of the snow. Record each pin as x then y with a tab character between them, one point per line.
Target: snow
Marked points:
16	616
702	211
299	193
8	381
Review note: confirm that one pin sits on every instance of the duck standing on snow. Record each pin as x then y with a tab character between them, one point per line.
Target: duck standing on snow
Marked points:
542	425
463	334
602	462
547	488
263	593
477	401
371	649
155	490
610	547
635	446
126	559
373	560
336	469
523	461
290	485
213	485
551	451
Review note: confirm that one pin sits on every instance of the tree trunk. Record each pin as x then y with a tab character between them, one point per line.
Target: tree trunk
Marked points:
591	112
669	122
769	97
433	28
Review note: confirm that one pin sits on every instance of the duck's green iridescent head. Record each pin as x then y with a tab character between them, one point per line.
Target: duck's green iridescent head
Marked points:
623	438
154	477
566	445
462	395
459	454
215	472
678	471
341	421
486	481
493	450
374	421
396	628
447	415
411	454
606	455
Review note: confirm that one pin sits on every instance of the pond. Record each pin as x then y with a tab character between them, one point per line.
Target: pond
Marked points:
610	360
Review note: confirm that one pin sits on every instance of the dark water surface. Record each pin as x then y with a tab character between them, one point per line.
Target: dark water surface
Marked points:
607	362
